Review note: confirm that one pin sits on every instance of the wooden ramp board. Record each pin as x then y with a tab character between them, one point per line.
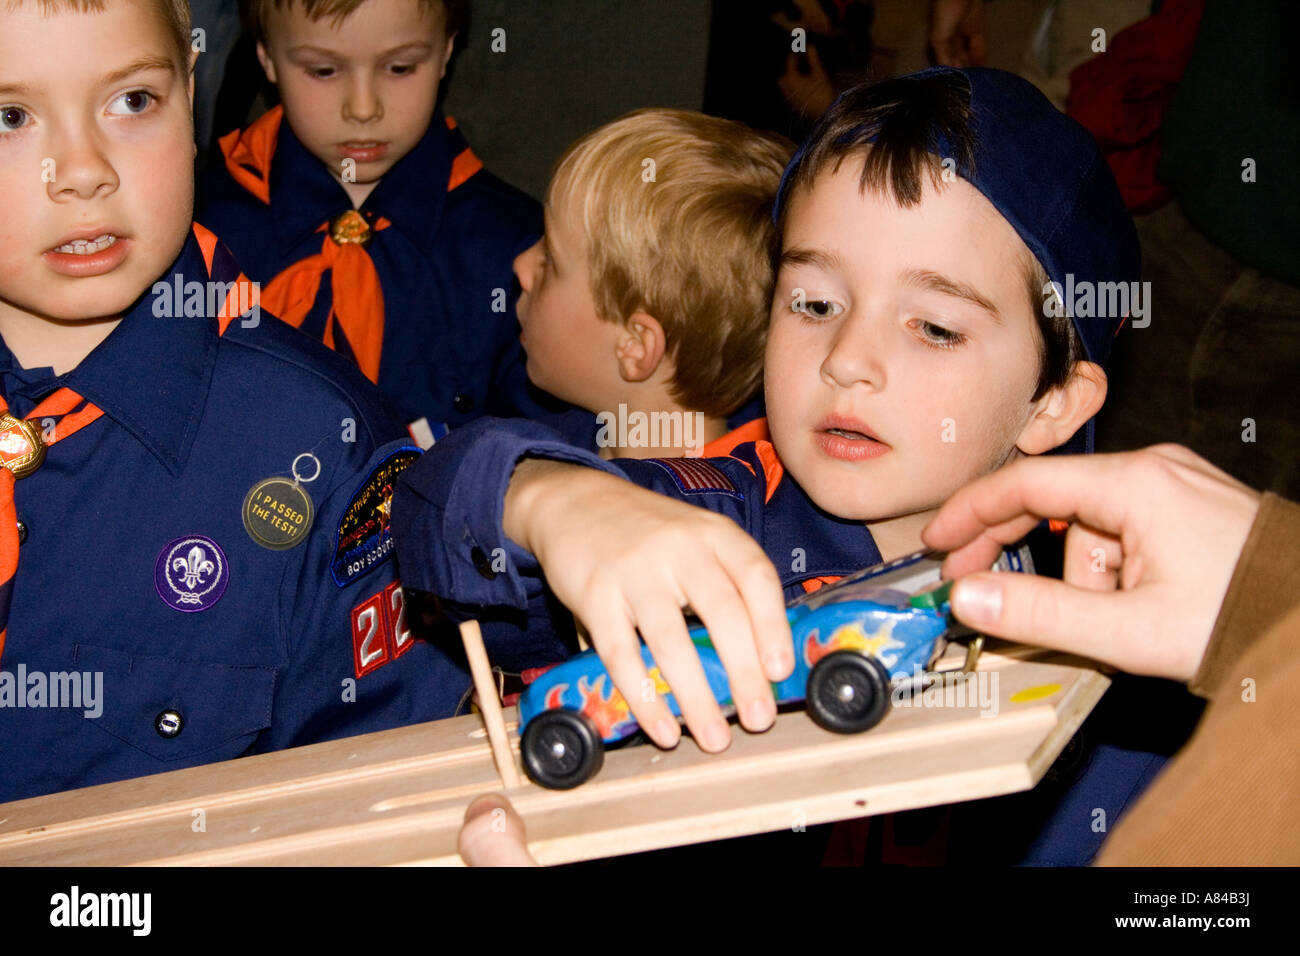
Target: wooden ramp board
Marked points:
398	797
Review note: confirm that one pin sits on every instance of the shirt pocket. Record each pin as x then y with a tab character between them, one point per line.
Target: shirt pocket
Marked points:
180	710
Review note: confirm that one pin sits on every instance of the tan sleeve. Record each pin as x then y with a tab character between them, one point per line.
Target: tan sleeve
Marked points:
1264	587
1229	798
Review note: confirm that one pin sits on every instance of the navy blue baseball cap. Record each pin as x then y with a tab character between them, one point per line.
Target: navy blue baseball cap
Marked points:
1047	177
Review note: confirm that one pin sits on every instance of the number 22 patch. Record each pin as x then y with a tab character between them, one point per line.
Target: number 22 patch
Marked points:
379	631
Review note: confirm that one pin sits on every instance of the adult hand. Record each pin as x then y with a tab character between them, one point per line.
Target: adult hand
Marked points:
493	834
1155	537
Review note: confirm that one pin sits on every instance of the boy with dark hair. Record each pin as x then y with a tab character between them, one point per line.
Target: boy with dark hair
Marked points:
905	355
194	541
904	359
365	215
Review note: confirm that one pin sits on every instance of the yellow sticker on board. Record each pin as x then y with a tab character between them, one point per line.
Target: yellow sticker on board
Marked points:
1034	693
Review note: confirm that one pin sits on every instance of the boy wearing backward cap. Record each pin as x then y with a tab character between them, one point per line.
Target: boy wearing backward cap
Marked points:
944	237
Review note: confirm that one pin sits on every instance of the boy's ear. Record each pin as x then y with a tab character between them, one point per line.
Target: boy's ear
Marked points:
194	59
268	65
640	347
1062	411
446	57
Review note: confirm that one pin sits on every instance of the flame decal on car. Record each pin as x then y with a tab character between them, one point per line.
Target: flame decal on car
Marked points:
607	713
854	637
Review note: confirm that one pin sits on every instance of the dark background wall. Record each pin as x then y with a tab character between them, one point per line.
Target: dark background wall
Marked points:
569	66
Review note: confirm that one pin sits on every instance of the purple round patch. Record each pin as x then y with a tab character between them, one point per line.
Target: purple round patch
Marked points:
191	573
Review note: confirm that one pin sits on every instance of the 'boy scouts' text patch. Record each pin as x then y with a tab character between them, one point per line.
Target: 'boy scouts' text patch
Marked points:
364	539
694	476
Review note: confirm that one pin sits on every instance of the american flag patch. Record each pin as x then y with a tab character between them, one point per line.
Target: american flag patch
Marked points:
695	476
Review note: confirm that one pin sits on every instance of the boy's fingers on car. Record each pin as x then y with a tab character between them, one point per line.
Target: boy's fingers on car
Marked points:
613	636
760	590
664	629
713	595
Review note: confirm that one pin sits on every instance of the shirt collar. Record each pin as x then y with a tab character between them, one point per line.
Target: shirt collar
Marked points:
152	374
793	524
304	195
411	196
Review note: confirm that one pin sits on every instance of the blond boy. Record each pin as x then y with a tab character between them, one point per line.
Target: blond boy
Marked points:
195	560
646	301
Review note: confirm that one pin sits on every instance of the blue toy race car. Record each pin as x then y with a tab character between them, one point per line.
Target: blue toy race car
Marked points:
854	640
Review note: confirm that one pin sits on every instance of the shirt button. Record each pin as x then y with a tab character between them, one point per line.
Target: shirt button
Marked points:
169	723
463	403
22	531
482	563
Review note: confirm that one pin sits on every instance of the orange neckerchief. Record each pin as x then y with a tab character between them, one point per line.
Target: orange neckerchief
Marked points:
21	444
358	299
755	430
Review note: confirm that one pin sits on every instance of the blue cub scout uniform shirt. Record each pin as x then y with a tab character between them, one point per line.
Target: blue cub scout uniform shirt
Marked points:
451	348
137	573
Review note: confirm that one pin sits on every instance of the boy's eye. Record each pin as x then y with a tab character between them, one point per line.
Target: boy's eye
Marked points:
132	103
12	117
402	69
938	336
321	72
818	308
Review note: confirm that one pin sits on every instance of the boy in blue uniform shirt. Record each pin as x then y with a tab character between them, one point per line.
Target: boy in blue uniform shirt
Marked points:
195	560
366	217
939	234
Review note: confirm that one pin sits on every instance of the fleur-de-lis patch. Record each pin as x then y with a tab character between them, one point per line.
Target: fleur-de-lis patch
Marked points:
191	573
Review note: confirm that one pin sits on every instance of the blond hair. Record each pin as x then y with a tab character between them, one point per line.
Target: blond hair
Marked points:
254	12
175	17
676	210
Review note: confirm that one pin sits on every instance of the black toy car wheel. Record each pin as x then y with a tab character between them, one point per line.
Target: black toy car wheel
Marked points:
562	749
848	692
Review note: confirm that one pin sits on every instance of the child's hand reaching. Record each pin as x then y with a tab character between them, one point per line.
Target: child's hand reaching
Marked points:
625	559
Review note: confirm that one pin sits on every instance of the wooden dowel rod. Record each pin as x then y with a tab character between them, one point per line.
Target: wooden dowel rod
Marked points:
489	703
